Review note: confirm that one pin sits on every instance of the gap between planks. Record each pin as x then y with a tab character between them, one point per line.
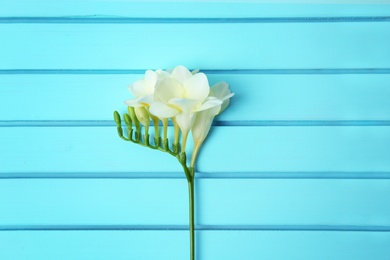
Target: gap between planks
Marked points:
299	228
254	123
200	175
211	20
319	71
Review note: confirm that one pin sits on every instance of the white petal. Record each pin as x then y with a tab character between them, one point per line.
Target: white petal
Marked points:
203	122
167	89
146	100
221	90
195	71
225	104
197	87
181	74
185	121
150	80
133	102
184	104
162	74
209	103
138	88
161	110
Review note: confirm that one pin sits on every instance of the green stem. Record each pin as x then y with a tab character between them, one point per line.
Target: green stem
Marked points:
189	171
192	218
190	176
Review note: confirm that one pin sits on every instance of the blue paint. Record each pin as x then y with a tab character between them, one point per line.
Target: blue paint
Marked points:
297	168
246	204
168	245
271	100
187	9
279	149
238	71
147	20
234	46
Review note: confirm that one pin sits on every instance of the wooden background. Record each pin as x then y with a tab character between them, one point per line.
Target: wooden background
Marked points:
297	168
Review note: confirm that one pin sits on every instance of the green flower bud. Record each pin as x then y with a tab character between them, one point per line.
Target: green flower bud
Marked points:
134	119
117	118
127	119
142	115
120	131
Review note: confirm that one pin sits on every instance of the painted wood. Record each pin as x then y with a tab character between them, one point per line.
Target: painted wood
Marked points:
175	9
266	96
105	245
71	189
271	149
237	203
261	45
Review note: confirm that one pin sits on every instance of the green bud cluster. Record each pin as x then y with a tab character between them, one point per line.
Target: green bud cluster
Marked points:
134	135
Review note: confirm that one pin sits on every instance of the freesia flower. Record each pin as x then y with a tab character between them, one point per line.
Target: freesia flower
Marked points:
221	90
205	118
182	95
143	89
187	100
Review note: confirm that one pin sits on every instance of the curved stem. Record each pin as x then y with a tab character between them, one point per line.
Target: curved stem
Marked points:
189	171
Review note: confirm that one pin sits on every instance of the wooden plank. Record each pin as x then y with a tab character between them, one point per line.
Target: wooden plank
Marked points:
181	9
229	149
257	97
210	46
105	245
319	204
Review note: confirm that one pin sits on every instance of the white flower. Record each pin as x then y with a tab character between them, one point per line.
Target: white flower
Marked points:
143	89
182	95
204	118
221	90
202	124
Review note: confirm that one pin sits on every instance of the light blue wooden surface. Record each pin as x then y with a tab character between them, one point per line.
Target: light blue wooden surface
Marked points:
188	8
262	149
172	245
264	203
266	96
226	46
168	245
297	168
